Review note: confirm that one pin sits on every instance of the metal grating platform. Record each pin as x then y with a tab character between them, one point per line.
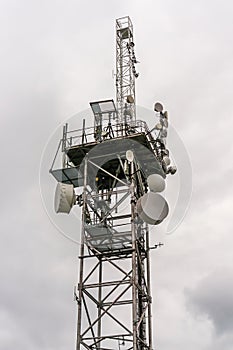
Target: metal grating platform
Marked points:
103	154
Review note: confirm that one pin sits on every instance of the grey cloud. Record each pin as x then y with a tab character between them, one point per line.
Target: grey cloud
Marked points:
56	57
34	308
213	298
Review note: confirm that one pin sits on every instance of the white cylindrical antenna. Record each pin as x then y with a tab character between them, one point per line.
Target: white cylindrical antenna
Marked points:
64	198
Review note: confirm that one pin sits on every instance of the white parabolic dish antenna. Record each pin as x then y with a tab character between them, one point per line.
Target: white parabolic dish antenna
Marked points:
156	183
152	208
64	198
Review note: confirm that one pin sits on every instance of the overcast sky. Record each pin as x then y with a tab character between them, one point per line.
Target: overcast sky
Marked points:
56	56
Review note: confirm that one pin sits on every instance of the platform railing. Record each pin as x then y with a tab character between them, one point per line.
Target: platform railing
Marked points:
79	137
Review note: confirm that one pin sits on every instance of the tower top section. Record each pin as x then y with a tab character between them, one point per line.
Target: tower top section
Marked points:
125	71
113	124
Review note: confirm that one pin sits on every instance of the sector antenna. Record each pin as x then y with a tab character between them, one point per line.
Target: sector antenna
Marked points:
115	171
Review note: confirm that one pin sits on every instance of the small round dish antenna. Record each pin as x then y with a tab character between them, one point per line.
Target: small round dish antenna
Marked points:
129	156
172	169
130	99
158	107
158	126
152	208
167	160
64	198
156	183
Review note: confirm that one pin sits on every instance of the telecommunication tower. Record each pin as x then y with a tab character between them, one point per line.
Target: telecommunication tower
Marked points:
120	167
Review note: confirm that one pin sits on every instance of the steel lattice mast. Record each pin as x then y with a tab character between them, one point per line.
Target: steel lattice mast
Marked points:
125	70
112	162
114	301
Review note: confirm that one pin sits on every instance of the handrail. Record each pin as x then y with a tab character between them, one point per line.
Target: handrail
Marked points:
74	137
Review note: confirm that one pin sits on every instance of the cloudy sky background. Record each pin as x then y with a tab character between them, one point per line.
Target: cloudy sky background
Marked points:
56	56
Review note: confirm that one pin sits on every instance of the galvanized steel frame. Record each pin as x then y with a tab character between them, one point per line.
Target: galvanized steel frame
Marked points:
125	79
136	334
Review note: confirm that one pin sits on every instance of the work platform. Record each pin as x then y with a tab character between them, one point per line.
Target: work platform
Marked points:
77	146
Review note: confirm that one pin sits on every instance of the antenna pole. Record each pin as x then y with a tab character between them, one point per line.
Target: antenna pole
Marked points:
125	71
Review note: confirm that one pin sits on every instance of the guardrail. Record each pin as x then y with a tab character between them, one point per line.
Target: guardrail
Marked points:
95	134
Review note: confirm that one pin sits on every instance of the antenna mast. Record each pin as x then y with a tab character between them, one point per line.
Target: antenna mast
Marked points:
125	71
